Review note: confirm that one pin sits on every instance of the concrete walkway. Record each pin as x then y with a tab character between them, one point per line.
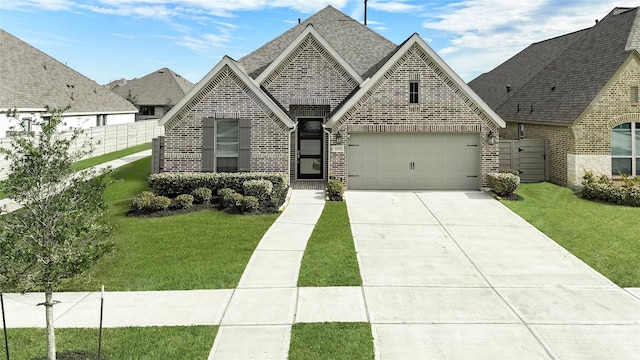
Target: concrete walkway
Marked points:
457	275
446	275
11	205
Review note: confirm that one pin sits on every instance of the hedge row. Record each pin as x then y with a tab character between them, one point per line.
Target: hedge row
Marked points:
603	189
173	184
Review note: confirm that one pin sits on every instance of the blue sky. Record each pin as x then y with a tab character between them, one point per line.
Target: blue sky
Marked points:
107	40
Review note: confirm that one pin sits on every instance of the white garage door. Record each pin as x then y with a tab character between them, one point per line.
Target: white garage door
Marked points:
414	161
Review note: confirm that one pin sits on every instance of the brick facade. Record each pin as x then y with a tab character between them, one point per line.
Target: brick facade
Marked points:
584	144
440	110
309	82
227	100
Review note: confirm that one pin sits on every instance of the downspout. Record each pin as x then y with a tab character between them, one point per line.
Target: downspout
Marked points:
324	128
295	125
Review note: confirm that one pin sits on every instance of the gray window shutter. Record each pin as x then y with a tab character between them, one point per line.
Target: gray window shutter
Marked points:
208	144
244	154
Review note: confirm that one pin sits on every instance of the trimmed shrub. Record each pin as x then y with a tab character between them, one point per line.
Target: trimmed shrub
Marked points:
260	189
142	202
603	189
504	184
159	203
335	190
230	198
201	195
249	203
185	201
173	184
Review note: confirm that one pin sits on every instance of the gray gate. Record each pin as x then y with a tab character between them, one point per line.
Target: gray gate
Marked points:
528	156
157	155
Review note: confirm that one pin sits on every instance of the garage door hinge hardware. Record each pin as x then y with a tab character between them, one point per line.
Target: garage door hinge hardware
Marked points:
354	144
353	175
476	145
475	176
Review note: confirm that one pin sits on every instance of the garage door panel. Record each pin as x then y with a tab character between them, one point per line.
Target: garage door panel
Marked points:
413	161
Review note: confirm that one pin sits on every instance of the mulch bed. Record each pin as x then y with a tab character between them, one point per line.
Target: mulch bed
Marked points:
215	204
512	197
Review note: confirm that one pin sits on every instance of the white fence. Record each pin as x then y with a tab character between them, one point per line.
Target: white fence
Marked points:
107	139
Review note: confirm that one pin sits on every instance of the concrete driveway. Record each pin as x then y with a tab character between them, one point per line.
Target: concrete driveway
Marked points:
457	275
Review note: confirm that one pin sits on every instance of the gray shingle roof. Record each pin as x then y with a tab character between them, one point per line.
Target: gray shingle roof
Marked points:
154	88
555	80
33	79
360	47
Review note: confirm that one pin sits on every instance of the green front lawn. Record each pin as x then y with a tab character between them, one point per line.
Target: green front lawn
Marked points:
330	257
87	163
604	236
349	341
177	342
208	249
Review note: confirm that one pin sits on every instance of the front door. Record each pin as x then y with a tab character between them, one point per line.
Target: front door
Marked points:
310	148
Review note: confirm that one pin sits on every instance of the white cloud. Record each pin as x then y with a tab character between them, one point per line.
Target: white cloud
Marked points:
394	6
490	31
54	5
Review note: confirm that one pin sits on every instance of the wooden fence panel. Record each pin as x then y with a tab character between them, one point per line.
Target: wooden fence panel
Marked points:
528	156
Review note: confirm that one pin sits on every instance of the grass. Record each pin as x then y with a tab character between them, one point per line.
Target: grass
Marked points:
208	249
349	341
192	342
602	235
330	256
87	163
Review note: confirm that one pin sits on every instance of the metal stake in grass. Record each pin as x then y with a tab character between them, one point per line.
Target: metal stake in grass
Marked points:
100	333
4	325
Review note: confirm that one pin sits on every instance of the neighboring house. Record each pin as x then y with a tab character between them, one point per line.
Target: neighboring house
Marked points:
332	98
580	93
31	80
154	94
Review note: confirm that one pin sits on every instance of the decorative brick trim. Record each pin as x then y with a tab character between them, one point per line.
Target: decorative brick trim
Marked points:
269	156
414	128
309	101
227	115
226	71
622	119
182	156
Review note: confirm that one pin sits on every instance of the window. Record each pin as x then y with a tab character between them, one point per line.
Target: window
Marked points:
227	145
147	110
634	94
625	149
414	92
101	120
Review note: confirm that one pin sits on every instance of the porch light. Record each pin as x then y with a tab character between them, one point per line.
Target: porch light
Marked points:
492	137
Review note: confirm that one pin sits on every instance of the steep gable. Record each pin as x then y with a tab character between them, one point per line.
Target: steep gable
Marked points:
225	69
416	47
358	45
309	72
32	79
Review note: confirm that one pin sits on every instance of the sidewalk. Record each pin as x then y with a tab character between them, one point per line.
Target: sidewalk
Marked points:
11	205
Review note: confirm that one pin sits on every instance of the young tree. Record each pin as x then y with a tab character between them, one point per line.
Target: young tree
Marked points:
60	232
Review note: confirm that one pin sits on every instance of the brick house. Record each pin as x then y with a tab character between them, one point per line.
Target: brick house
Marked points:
330	97
580	93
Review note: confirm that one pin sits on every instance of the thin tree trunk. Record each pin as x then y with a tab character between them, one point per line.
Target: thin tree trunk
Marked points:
51	335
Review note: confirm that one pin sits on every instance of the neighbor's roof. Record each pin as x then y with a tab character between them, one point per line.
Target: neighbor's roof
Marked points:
554	81
358	45
156	88
32	79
